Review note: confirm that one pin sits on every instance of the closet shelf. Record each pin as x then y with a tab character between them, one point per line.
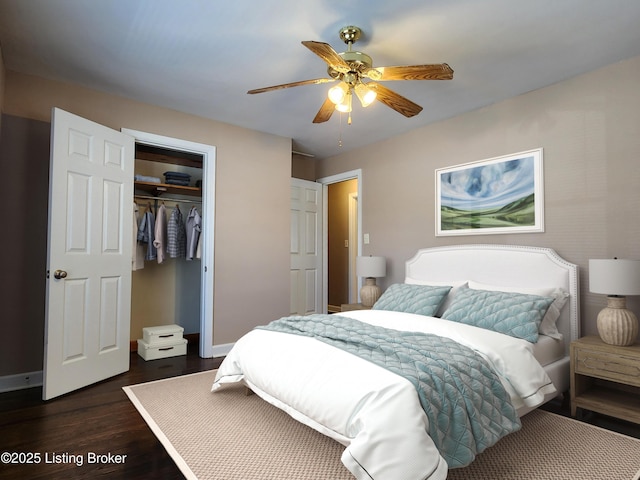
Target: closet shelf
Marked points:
165	155
158	189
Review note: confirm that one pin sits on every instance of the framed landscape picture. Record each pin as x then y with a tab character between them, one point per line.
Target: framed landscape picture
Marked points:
497	195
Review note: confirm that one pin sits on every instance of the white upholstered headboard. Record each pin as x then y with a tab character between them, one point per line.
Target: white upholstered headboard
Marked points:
508	265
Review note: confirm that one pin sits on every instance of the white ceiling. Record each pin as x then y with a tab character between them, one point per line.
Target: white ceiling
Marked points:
201	56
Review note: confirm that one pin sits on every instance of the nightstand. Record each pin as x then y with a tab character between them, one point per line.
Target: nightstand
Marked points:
346	307
605	378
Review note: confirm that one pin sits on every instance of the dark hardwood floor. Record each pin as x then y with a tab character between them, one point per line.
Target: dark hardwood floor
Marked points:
98	419
562	407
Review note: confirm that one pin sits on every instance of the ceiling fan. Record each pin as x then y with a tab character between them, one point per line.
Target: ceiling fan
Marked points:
357	76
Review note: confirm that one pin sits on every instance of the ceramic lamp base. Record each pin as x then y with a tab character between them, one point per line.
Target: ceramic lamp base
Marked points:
370	292
616	324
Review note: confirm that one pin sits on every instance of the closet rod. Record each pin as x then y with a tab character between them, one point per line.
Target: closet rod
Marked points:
163	199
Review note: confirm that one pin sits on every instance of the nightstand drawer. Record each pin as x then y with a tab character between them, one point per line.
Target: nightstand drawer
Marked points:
347	307
618	368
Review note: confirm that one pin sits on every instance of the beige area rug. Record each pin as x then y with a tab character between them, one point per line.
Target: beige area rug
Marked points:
231	436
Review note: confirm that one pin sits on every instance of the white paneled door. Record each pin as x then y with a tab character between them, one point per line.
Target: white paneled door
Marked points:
306	247
88	303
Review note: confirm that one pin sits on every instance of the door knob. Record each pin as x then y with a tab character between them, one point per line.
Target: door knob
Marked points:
59	274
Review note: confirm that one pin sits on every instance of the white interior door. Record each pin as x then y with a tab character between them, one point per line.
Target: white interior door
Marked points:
88	304
306	247
353	247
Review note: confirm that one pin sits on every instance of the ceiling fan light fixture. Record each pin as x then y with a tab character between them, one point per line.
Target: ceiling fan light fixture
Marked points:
366	95
338	93
345	105
351	68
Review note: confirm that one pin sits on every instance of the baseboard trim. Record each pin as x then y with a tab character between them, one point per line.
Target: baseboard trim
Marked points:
20	381
222	350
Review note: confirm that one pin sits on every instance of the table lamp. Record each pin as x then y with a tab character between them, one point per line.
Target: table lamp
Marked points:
616	278
370	268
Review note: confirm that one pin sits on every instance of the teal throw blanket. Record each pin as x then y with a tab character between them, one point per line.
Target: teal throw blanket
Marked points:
467	406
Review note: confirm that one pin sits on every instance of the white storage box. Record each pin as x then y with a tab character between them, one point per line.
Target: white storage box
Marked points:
172	348
162	334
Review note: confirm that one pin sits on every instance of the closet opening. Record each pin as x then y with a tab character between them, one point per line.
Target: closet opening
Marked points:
179	177
165	285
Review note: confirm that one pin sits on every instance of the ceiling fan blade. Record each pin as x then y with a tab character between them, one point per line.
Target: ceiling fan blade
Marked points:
325	112
328	54
315	81
440	71
395	101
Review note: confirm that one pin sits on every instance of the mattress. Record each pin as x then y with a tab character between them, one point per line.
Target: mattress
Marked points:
548	350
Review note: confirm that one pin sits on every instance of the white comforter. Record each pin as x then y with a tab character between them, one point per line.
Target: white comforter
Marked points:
376	414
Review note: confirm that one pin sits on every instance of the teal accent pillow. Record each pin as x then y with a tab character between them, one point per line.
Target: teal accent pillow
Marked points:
515	314
420	299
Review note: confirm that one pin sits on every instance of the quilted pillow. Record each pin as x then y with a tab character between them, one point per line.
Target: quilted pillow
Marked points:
455	286
420	299
515	314
548	325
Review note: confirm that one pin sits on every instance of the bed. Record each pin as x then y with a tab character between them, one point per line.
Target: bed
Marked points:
426	380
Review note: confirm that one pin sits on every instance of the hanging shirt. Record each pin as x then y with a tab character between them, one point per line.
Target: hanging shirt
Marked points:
137	257
146	232
160	239
199	248
176	235
193	228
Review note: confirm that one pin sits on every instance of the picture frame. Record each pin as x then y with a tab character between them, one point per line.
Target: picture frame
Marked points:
494	196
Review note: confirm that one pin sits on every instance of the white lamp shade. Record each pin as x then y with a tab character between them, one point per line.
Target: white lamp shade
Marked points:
365	94
614	276
371	267
338	93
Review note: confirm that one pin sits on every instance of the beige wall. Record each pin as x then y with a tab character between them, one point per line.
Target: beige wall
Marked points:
253	172
589	129
303	167
24	155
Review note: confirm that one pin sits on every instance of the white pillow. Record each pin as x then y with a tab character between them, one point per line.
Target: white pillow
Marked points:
548	324
455	286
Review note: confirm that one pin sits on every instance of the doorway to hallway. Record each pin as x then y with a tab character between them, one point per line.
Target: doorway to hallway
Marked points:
342	237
